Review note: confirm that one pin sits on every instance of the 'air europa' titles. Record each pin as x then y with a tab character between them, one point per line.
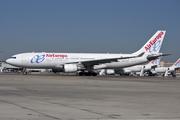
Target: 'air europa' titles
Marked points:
54	55
152	42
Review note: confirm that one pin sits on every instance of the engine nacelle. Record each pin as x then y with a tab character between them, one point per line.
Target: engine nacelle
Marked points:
110	72
171	69
127	71
146	68
69	68
161	69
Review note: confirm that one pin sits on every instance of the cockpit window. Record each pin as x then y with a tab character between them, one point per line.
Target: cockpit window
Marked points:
12	57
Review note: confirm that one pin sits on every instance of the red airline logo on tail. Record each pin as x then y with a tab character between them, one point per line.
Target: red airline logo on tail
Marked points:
152	42
177	63
153	61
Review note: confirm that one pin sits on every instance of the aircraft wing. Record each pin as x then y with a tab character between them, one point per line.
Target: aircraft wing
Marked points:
101	61
90	63
107	60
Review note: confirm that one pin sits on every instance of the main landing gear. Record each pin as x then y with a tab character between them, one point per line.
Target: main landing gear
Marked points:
87	73
24	72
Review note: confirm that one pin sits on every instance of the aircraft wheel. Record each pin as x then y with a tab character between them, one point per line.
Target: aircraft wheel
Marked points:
87	73
24	73
81	73
94	74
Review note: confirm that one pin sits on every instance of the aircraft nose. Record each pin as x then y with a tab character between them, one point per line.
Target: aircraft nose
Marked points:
8	61
12	60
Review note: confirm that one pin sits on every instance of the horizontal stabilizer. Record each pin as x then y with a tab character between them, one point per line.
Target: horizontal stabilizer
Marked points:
151	57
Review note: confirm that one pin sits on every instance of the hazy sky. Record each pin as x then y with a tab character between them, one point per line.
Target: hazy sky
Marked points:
87	26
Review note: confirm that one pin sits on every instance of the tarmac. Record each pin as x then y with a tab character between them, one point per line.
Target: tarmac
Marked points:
58	97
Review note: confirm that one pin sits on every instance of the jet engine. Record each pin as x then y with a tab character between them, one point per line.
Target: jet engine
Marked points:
171	69
147	68
68	68
110	72
127	71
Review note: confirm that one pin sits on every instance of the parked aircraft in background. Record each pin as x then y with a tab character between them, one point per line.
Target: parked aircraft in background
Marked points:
137	68
143	68
88	62
166	70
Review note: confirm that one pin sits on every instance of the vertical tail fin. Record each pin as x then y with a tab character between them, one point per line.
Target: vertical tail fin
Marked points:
153	45
154	62
177	63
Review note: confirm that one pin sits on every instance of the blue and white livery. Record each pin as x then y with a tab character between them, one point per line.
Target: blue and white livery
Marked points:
167	70
89	62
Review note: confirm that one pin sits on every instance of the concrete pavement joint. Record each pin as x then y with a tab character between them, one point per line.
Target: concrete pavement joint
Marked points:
109	116
30	110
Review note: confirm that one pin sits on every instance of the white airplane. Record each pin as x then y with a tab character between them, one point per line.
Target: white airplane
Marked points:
142	68
133	69
73	62
166	70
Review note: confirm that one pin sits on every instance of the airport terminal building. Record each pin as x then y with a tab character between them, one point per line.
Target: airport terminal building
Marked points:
4	67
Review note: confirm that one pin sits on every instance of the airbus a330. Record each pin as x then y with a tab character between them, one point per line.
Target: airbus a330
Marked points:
88	63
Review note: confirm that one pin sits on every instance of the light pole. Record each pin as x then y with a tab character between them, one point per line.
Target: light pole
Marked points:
1	60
